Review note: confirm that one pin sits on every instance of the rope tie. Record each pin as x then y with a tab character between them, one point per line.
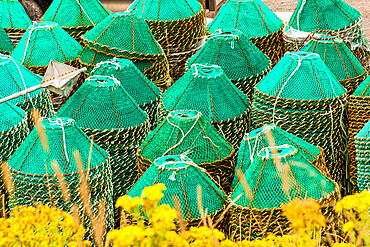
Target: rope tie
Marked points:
299	12
195	65
59	122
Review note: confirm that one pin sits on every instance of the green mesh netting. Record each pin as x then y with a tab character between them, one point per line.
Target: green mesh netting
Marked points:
131	35
363	89
177	26
182	177
13	15
243	63
314	15
35	179
13	129
188	132
6	45
358	116
102	103
269	183
252	17
256	21
77	13
107	113
205	88
140	88
339	59
302	96
128	36
272	184
45	41
269	135
362	141
335	15
285	80
165	10
14	78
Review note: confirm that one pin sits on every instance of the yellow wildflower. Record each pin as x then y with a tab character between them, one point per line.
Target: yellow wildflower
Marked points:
163	217
128	203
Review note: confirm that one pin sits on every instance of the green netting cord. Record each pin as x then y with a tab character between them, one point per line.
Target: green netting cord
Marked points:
6	45
314	15
363	89
63	138
252	17
165	10
301	76
102	103
258	139
43	42
11	116
238	57
337	56
185	132
76	13
14	78
131	34
273	183
13	15
206	89
140	88
182	177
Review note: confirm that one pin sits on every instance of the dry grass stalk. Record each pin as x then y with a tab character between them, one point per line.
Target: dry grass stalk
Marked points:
200	205
8	181
40	130
212	229
180	218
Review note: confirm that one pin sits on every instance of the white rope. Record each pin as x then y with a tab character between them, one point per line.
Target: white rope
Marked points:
97	78
299	12
195	65
182	132
59	122
110	62
20	73
78	2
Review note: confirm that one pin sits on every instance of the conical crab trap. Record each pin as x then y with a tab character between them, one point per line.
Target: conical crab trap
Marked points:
126	35
302	96
334	15
53	152
205	88
339	58
14	19
15	78
182	177
13	130
358	116
178	26
76	17
243	63
188	132
362	142
256	21
43	42
143	91
108	115
6	45
272	135
276	176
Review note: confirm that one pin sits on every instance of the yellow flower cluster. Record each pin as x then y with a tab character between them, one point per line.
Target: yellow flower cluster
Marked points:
358	202
304	214
273	241
39	226
203	236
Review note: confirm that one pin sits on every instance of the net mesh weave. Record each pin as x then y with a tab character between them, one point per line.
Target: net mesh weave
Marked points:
13	15
140	88
107	113
188	132
207	89
15	78
302	96
256	21
339	59
242	62
182	178
362	144
276	181
258	139
6	45
35	179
